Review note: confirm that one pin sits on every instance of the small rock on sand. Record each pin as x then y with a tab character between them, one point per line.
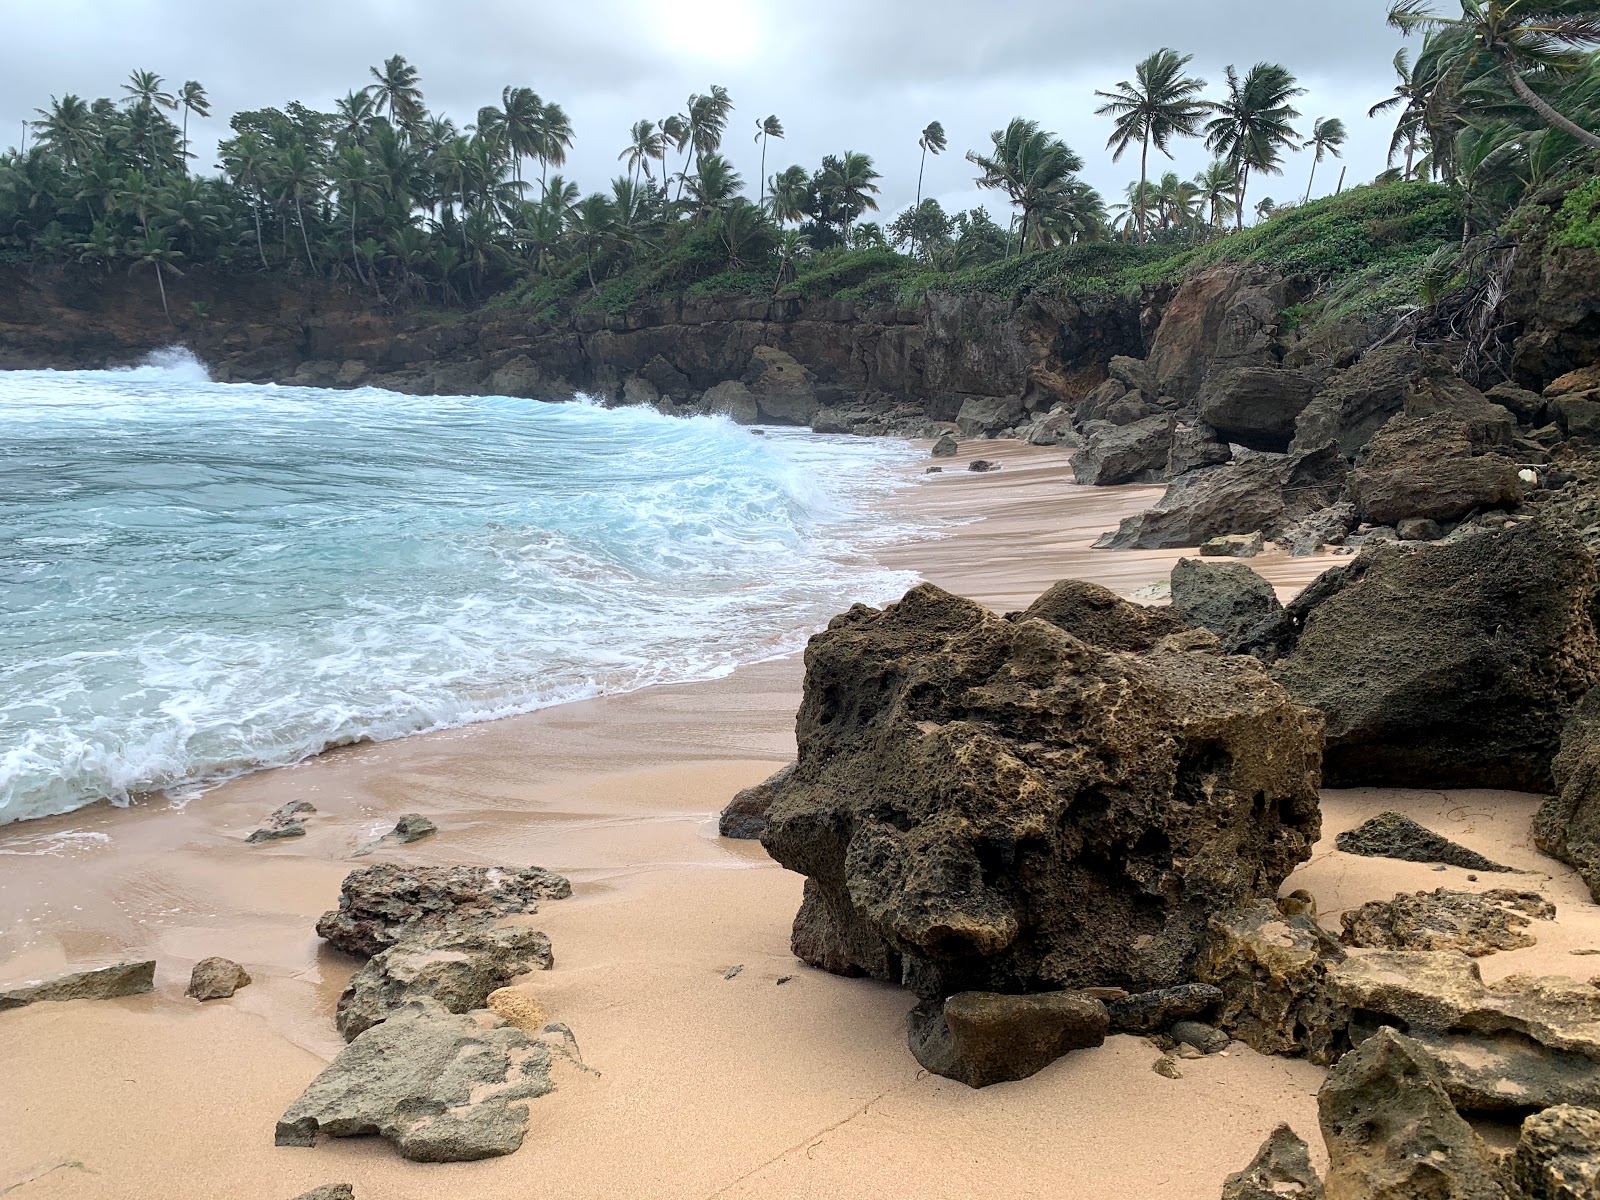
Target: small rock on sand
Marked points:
216	979
413	827
102	983
329	1191
1476	923
517	1007
1281	1169
277	833
1167	1067
1394	835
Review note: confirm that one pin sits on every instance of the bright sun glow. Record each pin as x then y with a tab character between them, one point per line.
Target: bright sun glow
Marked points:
709	30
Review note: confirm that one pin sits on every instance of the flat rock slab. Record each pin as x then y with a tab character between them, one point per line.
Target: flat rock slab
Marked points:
440	1087
981	1038
1394	835
1476	923
102	983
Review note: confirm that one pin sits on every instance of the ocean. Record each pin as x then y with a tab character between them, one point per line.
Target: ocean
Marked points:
198	580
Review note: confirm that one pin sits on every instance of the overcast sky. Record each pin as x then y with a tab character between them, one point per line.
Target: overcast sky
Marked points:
841	74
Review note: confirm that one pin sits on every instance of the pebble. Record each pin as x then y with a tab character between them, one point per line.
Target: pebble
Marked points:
732	971
1167	1067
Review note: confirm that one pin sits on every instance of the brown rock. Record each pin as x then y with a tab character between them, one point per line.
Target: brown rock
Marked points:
216	979
1099	616
981	1038
1281	1170
1558	1155
1428	467
746	814
1567	826
102	983
1476	923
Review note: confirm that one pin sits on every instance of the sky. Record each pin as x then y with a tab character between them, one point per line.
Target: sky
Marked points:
863	75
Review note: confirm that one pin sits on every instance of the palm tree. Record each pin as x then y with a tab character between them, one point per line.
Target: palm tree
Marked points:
714	187
1327	136
552	138
297	175
592	225
1217	185
1159	104
708	118
1520	36
155	250
396	92
144	91
521	112
66	129
766	129
932	141
355	112
790	195
246	160
848	185
1253	126
352	178
645	143
1411	100
192	99
1028	164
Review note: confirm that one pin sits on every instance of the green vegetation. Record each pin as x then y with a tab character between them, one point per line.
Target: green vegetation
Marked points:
1577	225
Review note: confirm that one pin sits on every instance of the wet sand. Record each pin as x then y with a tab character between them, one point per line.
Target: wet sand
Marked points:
707	1086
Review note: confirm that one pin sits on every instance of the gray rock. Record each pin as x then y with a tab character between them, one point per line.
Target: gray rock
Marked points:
1281	1170
456	969
1326	526
1112	454
1567	826
982	466
1152	1012
1529	408
1393	1133
379	905
946	446
1195	447
746	814
413	827
101	983
1233	545
1428	467
277	833
329	1191
438	1086
1099	616
1577	416
733	400
1256	406
1053	429
1229	599
981	1038
1205	1038
981	416
1418	529
1357	403
1394	835
1558	1155
1439	390
1476	923
216	979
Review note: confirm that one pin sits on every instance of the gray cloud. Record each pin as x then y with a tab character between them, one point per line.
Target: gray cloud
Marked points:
862	75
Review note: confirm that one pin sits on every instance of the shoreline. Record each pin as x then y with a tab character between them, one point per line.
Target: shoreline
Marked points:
158	1096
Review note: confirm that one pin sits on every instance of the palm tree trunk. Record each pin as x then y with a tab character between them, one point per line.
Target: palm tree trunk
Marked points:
1310	182
1411	150
763	166
1144	175
355	255
1244	186
304	236
185	139
261	249
162	285
1539	105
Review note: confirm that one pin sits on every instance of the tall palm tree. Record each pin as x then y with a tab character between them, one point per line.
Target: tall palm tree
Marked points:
521	114
395	88
66	129
354	113
932	141
848	183
645	144
1028	164
1520	36
144	91
1254	125
714	186
708	120
552	139
1217	185
592	225
155	250
1158	104
766	129
1411	99
192	99
353	180
790	195
1327	136
300	181
246	159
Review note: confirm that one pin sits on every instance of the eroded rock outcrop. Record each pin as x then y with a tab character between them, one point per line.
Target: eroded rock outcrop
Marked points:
216	979
1475	923
1567	826
1229	599
1099	616
746	814
1135	452
1281	1170
1429	467
991	805
1395	835
1355	404
1558	1155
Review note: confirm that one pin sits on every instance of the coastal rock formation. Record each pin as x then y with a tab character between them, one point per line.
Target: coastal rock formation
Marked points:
1567	826
1449	665
1195	447
1476	923
1229	599
1558	1155
1326	526
1152	1012
102	983
216	979
1358	402
981	1038
381	904
440	1087
1393	1134
1110	454
1256	407
1430	467
412	827
746	814
1395	835
1099	616
1221	319
455	968
984	804
1281	1170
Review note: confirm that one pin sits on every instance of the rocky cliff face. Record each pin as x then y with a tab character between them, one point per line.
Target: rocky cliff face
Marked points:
980	360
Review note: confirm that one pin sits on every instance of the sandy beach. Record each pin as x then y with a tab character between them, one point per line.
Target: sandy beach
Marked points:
778	1082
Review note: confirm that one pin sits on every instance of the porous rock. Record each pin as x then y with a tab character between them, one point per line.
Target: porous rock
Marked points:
1099	616
216	979
1229	599
1395	835
413	827
1194	447
1326	526
516	1007
379	905
1558	1155
1567	826
456	968
1205	1038
982	804
1233	545
1449	665
746	814
440	1087
1429	467
1281	1170
981	1038
277	833
1152	1012
1354	405
1476	923
101	983
1256	407
1112	454
329	1191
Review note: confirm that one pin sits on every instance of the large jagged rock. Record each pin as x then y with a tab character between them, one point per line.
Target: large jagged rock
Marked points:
1099	616
783	390
102	983
1558	1155
381	904
1326	526
1452	664
1256	407
731	399
440	1087
1229	599
1112	454
1226	317
1281	1170
1428	467
1393	1134
980	1038
1395	835
1266	493
1476	923
991	805
455	968
1195	447
1440	390
746	814
1354	405
1567	826
984	416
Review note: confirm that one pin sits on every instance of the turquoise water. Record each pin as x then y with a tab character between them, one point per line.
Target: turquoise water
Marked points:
199	579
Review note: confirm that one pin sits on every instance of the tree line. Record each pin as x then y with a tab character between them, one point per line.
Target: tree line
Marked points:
396	199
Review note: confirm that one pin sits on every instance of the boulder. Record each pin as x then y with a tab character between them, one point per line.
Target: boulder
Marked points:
1418	529
1567	826
1098	402
1440	390
1355	404
1395	835
1055	428
983	804
1233	545
1153	1012
277	833
1427	467
985	416
1281	1170
1476	923
412	827
1112	454
1221	318
1450	665
746	814
216	979
381	904
1558	1155
731	399
1326	526
1529	408
440	1087
1577	416
101	983
1229	599
946	446
783	390
1202	1037
1393	1134
980	1038
639	391
1099	616
1256	406
1195	447
456	969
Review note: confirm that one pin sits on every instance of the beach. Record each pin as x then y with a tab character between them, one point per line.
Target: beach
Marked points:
775	1080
